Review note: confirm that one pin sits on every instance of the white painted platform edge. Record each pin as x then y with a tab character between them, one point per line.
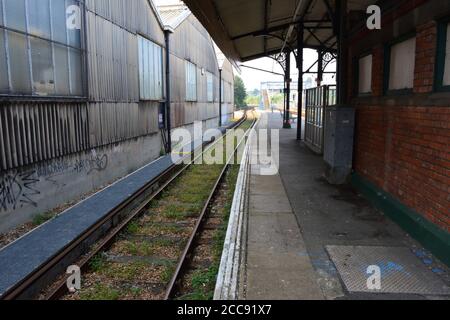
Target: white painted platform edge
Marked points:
227	285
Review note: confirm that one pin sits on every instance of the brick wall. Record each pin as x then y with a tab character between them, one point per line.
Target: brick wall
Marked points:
425	57
403	143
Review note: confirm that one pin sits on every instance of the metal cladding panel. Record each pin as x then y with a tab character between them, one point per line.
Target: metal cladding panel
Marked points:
115	122
136	16
112	58
32	132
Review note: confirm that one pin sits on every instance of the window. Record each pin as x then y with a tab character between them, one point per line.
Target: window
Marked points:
401	65
191	81
150	70
365	75
40	48
443	57
210	86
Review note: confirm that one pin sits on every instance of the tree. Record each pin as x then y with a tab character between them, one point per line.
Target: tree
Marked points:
240	93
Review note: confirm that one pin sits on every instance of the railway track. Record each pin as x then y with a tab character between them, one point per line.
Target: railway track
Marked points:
147	248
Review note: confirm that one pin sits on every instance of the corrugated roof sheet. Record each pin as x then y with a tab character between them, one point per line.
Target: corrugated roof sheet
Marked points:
173	15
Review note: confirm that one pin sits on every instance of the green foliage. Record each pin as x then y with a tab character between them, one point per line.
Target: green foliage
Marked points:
100	293
42	218
240	93
277	99
253	100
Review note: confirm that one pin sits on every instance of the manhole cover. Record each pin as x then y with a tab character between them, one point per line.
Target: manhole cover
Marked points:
400	271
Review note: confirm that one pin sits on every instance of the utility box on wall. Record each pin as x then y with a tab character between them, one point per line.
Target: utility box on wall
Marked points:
339	137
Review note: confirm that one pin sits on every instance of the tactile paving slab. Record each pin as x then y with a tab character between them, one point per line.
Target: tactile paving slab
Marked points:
401	271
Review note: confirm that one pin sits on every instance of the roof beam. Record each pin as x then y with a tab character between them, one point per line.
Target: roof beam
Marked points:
279	28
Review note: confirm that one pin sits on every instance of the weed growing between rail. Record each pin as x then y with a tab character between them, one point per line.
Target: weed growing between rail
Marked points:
201	281
142	261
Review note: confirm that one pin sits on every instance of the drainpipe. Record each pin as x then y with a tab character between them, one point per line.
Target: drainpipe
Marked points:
341	12
220	97
167	33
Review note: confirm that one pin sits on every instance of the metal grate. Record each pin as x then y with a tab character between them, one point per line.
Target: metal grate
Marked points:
401	271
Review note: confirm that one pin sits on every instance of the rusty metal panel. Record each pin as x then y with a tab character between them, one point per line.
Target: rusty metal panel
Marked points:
33	132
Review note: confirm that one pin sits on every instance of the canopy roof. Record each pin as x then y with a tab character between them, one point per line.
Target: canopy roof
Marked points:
249	29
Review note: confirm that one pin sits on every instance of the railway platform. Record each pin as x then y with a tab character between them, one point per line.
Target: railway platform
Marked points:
307	239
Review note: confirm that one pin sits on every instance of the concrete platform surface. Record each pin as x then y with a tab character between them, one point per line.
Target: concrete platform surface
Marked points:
295	215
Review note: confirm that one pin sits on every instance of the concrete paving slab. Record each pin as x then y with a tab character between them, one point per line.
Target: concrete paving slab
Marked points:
267	185
278	265
269	203
276	284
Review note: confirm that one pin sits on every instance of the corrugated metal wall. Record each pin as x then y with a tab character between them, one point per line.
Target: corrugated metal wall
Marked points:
115	111
203	55
36	131
136	16
114	122
41	131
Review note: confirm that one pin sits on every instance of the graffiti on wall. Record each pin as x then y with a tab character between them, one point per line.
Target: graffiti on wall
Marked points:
93	163
19	189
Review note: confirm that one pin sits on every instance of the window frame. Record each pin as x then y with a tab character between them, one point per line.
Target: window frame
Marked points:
441	48
33	95
387	65
357	68
163	90
209	95
187	98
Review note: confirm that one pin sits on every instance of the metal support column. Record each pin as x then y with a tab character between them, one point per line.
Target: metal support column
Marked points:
287	119
342	63
300	79
220	97
319	68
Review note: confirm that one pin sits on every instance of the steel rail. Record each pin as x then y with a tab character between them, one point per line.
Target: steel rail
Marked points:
188	251
159	183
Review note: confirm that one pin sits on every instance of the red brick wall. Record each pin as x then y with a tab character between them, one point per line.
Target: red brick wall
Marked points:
403	146
425	58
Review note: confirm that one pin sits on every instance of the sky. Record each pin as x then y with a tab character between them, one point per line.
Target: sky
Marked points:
253	78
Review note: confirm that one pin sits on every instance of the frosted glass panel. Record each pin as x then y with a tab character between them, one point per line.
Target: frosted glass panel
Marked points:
150	70
15	14
74	35
42	63
1	13
403	59
191	81
446	81
210	86
20	70
365	74
61	70
4	83
39	18
30	63
58	10
75	72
